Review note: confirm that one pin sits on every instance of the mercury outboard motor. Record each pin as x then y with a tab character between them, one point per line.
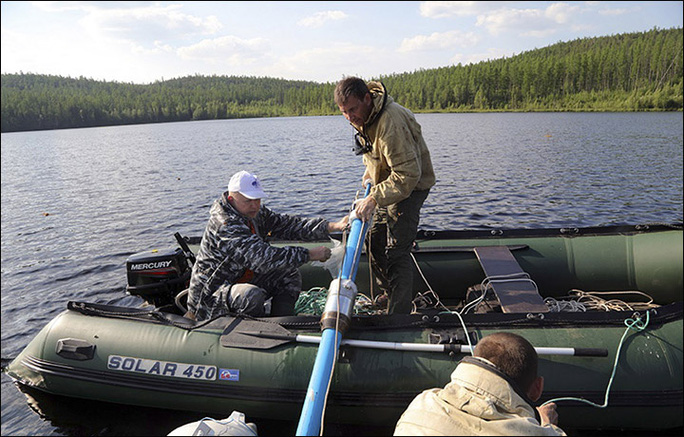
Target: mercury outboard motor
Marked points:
157	276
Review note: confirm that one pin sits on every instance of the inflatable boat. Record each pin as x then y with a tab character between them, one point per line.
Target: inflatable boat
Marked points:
602	305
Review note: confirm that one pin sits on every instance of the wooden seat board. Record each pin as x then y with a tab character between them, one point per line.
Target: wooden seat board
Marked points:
516	296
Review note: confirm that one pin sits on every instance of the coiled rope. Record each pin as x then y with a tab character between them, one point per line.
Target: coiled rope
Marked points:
487	282
582	301
312	302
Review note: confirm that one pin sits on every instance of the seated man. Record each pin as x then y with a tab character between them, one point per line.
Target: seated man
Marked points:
489	394
237	270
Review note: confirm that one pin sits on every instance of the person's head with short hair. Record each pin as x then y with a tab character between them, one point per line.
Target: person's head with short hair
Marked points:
514	356
245	193
354	99
350	86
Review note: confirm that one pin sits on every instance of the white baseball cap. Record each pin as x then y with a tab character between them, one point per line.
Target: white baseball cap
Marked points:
246	184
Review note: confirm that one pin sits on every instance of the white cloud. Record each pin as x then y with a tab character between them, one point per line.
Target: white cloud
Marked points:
69	54
560	13
336	58
145	25
332	63
158	48
528	22
49	6
226	49
502	17
320	18
459	9
439	40
613	11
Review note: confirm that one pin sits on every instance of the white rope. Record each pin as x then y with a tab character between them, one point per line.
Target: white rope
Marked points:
439	303
487	282
579	300
564	306
423	296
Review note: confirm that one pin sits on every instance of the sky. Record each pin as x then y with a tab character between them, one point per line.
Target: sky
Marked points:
145	42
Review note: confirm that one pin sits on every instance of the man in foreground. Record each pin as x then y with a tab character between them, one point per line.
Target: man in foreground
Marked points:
237	270
490	393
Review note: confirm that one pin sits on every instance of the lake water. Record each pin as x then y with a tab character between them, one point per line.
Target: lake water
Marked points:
76	203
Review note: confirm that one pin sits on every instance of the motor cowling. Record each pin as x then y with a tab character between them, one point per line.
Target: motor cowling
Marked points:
157	276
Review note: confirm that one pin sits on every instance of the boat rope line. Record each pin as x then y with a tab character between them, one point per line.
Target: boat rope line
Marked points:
487	282
598	303
423	297
486	285
633	323
439	302
593	301
312	301
583	301
576	301
564	306
427	297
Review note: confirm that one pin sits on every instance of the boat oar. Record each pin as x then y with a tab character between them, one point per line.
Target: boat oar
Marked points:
419	347
335	320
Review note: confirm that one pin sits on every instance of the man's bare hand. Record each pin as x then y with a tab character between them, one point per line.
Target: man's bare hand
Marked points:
365	208
338	226
548	414
320	253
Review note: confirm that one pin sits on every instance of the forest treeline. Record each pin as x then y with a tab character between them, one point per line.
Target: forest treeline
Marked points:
639	71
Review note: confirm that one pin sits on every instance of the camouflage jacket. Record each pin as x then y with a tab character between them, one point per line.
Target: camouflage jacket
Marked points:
229	248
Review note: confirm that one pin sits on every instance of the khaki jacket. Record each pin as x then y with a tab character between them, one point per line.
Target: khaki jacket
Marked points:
477	401
399	161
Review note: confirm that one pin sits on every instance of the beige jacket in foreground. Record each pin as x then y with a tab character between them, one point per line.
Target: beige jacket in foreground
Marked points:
475	402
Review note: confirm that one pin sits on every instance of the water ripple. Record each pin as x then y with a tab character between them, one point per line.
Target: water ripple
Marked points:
77	203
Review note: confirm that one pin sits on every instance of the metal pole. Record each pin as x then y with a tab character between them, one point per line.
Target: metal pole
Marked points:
457	348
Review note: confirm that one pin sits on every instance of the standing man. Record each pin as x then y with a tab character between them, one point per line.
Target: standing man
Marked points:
237	270
398	164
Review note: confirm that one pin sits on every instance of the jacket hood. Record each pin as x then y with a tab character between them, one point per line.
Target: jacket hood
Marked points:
486	392
380	99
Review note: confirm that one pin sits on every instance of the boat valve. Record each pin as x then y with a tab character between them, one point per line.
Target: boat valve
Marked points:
340	305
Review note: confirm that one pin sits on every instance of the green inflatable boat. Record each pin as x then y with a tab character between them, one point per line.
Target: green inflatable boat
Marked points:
579	295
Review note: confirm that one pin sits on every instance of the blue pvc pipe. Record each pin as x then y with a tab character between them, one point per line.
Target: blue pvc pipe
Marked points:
352	254
310	418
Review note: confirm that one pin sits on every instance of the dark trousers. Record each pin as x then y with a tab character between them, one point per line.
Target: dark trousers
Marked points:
391	238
